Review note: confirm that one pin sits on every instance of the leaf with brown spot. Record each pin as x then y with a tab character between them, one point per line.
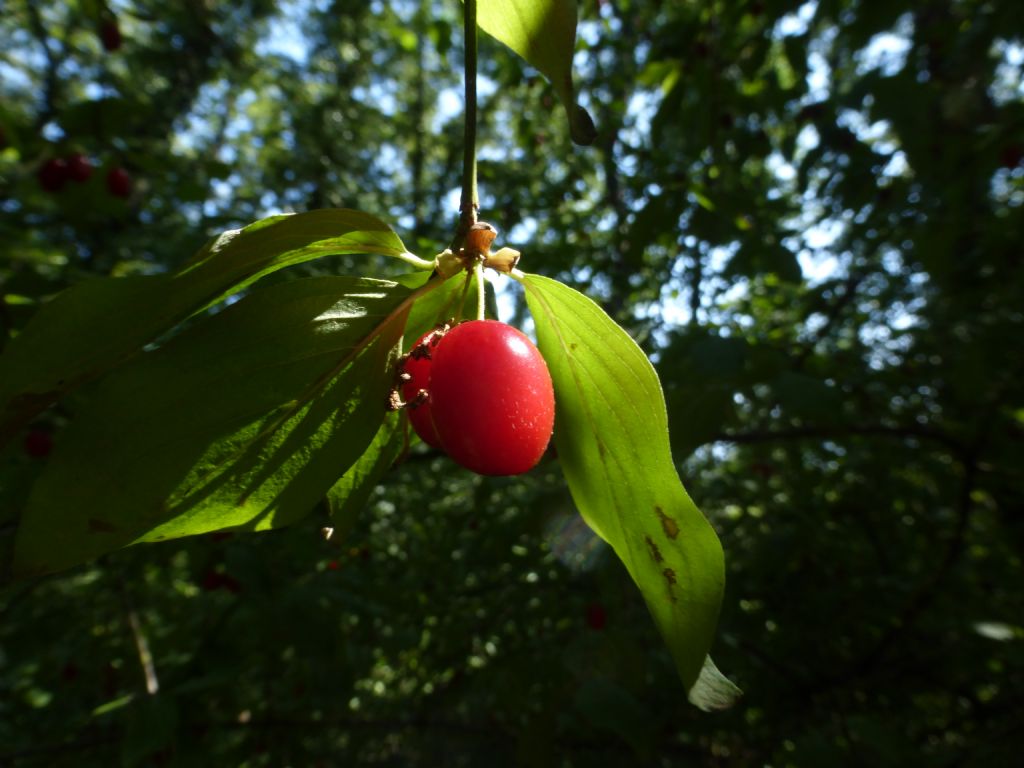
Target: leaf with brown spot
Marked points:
655	552
668	525
670	579
611	432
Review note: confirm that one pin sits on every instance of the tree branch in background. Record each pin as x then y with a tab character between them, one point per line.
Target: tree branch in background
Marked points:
926	592
970	457
850	286
51	80
611	120
419	126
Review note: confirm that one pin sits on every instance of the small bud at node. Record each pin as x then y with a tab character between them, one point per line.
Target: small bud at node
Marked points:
504	260
479	239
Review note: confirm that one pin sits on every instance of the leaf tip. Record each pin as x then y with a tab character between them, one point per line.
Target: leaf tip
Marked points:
713	691
581	126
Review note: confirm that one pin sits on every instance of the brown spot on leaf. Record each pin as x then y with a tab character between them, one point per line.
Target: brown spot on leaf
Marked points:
96	525
670	579
600	447
670	525
653	549
573	345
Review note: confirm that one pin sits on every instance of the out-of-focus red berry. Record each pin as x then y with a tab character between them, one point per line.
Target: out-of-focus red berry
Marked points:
110	35
79	167
212	581
1011	156
53	174
597	616
417	367
119	183
38	444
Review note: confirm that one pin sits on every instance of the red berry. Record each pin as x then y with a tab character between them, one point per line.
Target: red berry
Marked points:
38	444
491	398
212	581
597	616
110	35
79	167
53	174
119	183
417	366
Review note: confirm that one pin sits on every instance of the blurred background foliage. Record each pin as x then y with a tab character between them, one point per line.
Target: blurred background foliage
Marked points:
808	213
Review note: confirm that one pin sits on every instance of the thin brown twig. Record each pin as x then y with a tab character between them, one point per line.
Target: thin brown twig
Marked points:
141	641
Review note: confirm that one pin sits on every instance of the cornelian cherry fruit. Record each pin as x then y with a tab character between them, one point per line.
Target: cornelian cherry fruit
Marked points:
110	35
417	367
490	398
38	444
79	167
53	174
119	183
597	616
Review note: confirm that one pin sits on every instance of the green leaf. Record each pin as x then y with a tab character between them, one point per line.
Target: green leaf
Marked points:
701	372
440	305
130	115
608	706
756	257
150	726
698	415
349	495
807	397
245	420
713	690
611	431
658	217
544	33
96	325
